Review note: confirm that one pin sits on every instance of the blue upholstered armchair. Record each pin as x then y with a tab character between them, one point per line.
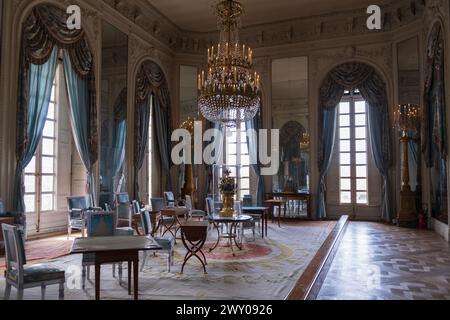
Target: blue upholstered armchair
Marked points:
77	206
20	219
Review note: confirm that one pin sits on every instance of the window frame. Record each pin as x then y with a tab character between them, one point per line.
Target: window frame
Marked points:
352	98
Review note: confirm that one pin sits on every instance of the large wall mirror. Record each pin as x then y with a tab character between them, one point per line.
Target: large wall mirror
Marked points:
290	114
409	92
113	112
188	92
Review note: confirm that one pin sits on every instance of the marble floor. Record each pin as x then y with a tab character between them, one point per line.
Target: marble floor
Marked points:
381	262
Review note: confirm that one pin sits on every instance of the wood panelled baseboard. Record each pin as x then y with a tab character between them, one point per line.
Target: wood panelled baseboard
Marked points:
310	282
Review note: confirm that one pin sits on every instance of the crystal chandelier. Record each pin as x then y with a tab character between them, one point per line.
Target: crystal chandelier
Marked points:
229	91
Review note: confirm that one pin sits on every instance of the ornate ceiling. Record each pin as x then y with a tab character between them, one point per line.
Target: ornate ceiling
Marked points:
198	15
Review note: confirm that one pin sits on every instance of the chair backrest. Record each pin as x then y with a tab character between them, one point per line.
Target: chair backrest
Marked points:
106	199
108	207
136	207
188	202
157	204
169	198
77	203
15	253
210	206
100	224
146	222
238	207
122	198
248	201
123	211
2	208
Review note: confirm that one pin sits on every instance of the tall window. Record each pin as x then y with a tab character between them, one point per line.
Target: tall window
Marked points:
238	159
40	174
353	149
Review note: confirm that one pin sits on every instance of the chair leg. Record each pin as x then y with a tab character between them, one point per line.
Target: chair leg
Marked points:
7	291
83	277
89	272
19	293
169	261
114	270
61	291
144	260
43	287
120	273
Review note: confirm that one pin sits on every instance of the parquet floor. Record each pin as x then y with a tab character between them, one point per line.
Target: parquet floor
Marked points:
381	262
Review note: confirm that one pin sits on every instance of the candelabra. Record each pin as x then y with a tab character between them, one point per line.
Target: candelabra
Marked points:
189	186
408	122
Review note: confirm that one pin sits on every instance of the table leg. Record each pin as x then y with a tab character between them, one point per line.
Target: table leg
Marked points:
218	237
97	281
129	278
136	279
279	216
267	221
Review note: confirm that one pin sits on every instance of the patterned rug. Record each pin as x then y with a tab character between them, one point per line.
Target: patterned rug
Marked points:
264	270
38	251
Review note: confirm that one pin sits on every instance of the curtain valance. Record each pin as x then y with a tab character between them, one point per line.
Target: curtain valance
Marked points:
151	79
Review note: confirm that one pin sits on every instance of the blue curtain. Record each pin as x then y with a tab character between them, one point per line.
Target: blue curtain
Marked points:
377	119
119	153
78	90
327	139
164	143
142	132
40	88
252	142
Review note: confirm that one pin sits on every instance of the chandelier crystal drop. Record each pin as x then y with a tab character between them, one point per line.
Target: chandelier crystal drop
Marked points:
229	91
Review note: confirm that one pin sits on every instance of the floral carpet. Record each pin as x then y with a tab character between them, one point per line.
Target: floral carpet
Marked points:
266	269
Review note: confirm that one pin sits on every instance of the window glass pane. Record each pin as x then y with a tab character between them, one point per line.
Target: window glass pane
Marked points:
360	120
346	184
346	197
344	121
231	148
231	160
245	184
345	158
48	147
344	133
361	198
30	203
245	160
48	165
47	202
344	107
31	168
47	183
245	172
360	133
30	184
360	107
345	171
361	158
49	129
231	136
345	145
53	96
51	111
361	145
244	148
243	136
361	172
361	184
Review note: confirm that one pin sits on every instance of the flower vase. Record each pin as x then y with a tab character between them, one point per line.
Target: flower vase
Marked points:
228	205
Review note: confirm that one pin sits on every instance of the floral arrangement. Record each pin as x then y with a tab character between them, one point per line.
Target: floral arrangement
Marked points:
227	183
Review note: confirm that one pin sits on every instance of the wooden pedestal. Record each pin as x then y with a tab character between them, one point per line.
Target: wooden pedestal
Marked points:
407	215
